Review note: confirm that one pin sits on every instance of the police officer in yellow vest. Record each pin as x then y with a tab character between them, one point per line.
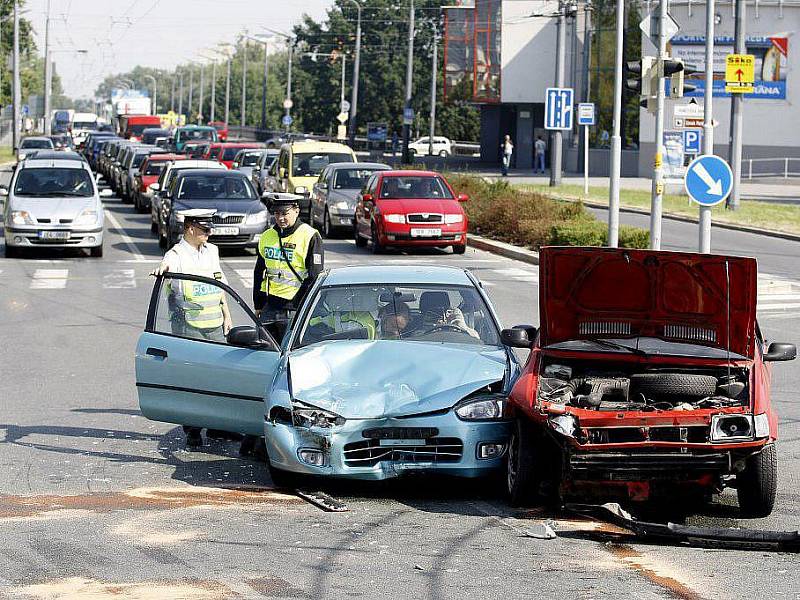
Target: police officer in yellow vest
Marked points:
290	257
197	310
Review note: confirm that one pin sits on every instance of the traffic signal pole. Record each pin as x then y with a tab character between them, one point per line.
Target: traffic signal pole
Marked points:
704	243
556	145
409	82
616	140
657	190
736	112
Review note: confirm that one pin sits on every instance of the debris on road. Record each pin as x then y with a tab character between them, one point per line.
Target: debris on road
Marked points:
322	500
541	531
718	537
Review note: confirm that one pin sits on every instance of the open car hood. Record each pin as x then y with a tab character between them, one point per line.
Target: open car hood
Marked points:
588	293
360	379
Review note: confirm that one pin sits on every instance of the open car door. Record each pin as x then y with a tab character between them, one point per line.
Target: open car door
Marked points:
191	369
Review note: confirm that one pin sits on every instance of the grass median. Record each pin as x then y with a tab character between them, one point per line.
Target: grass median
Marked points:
532	219
7	154
752	213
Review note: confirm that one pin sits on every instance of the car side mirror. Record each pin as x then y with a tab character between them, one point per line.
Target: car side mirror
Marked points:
235	165
779	351
462	197
106	193
519	336
323	185
154	187
282	172
367	197
245	336
3	190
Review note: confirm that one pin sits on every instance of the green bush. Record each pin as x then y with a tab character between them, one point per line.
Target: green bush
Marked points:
498	210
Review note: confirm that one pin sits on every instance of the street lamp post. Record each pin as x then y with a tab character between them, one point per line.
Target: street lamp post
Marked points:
356	67
244	85
287	103
47	73
213	87
200	102
264	82
155	92
191	89
180	94
434	65
16	86
409	81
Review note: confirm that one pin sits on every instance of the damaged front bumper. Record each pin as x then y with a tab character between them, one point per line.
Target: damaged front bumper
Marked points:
375	449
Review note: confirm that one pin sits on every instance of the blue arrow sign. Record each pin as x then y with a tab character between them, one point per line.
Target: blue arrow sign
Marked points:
708	180
558	108
287	120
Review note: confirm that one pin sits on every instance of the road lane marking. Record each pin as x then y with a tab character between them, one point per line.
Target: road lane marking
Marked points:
49	279
120	279
518	274
125	237
246	275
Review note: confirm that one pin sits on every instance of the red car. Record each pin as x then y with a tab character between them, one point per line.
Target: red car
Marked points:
148	173
212	151
410	208
648	378
132	126
222	130
229	151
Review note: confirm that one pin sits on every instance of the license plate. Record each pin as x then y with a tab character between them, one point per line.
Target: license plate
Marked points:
225	231
426	232
401	442
54	235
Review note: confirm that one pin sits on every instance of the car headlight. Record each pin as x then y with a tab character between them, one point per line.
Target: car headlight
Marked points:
341	205
21	217
87	217
761	425
256	218
310	416
732	428
481	408
301	189
395	218
451	219
178	217
564	424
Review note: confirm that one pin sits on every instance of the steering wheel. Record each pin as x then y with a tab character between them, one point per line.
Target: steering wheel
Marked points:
444	327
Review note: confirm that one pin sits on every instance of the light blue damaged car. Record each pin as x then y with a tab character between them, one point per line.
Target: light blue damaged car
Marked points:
384	371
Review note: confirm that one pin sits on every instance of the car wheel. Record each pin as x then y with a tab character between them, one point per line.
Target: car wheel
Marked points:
97	251
444	154
326	224
757	485
412	153
377	247
459	248
361	242
522	479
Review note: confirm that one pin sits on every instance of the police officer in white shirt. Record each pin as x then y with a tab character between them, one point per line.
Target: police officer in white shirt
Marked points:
197	314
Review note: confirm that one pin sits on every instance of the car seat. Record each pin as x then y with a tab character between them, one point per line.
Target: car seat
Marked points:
432	306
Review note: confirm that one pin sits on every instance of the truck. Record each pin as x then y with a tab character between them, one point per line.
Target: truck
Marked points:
133	105
82	124
61	120
132	126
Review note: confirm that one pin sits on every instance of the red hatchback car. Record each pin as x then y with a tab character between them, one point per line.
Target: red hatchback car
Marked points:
229	151
648	378
148	173
410	208
222	129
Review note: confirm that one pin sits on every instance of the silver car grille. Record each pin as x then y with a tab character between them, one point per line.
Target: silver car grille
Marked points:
369	453
425	218
227	219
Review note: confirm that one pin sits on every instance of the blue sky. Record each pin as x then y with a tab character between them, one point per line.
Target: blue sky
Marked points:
158	33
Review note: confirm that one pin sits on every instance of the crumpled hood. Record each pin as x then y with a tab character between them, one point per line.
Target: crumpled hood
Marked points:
372	379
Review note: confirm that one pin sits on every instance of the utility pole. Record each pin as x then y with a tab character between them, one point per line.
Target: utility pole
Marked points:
228	93
736	112
657	190
587	59
556	144
288	102
155	93
616	139
344	82
213	88
409	82
180	94
16	84
172	96
264	86
244	85
704	243
48	76
191	89
434	68
356	67
202	85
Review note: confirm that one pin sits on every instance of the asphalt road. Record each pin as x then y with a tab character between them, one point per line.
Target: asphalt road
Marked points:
97	500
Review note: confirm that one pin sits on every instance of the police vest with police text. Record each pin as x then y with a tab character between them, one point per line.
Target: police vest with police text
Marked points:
279	279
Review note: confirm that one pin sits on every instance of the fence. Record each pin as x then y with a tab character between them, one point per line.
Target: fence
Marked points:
771	167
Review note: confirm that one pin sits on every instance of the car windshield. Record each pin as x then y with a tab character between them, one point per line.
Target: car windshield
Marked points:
214	152
138	160
154	168
135	129
196	134
433	313
36	144
310	164
351	179
249	160
415	186
210	187
53	181
149	137
230	153
84	125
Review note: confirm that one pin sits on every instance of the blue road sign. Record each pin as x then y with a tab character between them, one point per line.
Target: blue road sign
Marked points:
708	180
558	108
408	116
287	120
692	141
586	114
25	110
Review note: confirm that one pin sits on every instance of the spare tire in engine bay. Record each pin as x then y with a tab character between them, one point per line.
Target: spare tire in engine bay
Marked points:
672	386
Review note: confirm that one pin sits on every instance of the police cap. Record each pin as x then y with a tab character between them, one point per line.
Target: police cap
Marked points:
199	216
277	201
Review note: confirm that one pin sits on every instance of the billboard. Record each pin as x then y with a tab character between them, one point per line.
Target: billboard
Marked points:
772	63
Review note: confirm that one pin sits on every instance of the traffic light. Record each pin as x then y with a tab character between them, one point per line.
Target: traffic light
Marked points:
677	70
641	76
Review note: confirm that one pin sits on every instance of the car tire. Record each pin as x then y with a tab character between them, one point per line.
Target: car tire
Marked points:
459	248
327	230
377	247
757	485
412	153
153	227
97	251
522	477
361	242
669	385
444	154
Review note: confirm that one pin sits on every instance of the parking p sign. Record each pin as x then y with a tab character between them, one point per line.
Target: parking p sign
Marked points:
692	141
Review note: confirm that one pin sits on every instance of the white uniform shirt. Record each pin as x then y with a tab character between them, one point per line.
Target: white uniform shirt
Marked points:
184	258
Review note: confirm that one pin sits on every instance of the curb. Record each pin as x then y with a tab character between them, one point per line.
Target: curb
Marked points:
794	237
503	249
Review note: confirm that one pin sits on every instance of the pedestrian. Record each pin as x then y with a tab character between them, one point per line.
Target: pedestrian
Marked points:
197	311
290	258
507	149
539	150
395	143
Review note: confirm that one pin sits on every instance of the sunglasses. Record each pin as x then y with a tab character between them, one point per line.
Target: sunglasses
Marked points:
205	230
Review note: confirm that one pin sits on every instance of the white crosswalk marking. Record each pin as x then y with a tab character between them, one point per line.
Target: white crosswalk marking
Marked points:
246	275
120	279
49	279
518	274
776	294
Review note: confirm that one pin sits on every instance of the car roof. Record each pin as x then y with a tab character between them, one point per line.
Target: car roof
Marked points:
397	274
37	138
164	156
212	172
193	163
315	146
55	155
404	173
185	127
360	165
59	163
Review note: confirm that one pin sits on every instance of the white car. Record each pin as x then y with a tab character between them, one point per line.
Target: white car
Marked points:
53	203
82	124
30	145
441	146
